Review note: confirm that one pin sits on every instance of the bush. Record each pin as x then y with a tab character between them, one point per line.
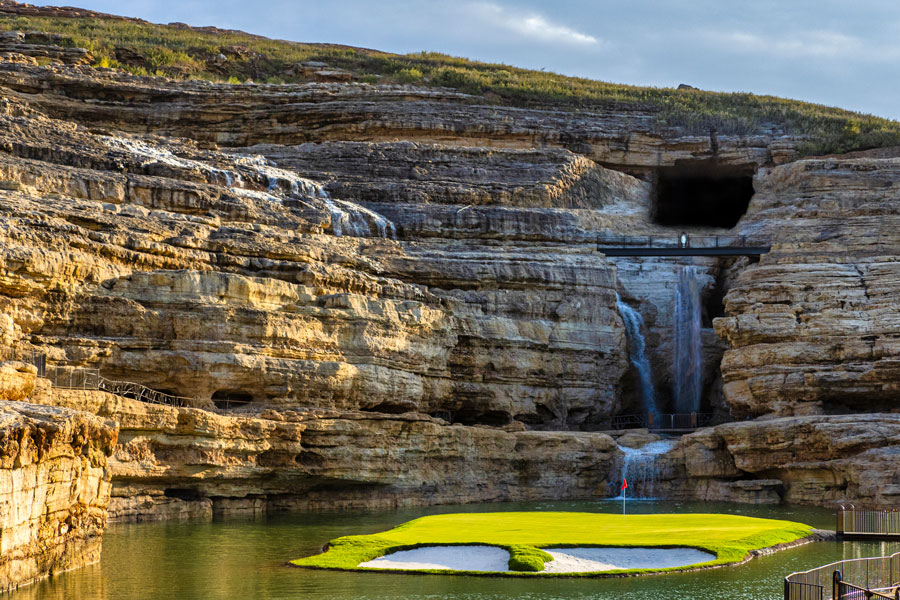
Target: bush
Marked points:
527	558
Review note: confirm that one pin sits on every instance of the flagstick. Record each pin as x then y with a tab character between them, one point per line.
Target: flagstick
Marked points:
623	501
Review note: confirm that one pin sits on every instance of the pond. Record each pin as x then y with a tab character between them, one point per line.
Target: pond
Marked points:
244	559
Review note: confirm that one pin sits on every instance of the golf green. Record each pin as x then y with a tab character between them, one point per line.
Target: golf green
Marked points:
729	537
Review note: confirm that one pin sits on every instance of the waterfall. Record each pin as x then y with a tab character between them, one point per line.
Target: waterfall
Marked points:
641	467
634	325
688	346
347	218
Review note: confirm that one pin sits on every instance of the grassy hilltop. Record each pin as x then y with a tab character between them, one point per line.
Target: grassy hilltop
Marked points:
182	52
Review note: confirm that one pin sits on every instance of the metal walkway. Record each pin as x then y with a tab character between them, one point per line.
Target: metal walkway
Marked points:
682	245
677	423
868	524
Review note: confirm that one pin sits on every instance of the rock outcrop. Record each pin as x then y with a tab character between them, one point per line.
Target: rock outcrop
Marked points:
54	490
824	460
813	327
186	462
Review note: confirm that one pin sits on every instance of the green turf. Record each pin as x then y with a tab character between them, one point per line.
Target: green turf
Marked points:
729	537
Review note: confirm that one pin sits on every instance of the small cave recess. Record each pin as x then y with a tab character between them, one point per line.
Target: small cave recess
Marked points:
229	399
701	194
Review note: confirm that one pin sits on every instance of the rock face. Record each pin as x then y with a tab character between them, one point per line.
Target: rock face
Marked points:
813	327
54	490
402	288
177	462
207	274
825	460
287	115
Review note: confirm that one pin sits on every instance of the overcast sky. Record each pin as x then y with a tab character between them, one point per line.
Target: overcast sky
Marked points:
836	52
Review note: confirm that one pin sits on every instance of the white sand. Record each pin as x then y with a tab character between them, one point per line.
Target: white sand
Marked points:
583	560
565	560
456	558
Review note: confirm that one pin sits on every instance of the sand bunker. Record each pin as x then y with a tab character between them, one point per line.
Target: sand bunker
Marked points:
565	560
585	560
456	558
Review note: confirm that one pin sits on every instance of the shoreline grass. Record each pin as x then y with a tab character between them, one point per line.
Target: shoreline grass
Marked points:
730	538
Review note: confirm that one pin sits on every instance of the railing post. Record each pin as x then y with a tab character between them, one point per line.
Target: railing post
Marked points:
650	420
787	589
836	585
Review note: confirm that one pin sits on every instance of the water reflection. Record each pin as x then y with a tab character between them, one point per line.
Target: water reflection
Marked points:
245	559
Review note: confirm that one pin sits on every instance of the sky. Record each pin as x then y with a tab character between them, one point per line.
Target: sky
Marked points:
835	52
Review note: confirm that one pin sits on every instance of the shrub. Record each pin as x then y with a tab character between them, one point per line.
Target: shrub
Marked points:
527	558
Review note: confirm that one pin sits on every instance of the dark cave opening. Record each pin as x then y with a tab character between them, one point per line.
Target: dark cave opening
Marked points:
702	195
228	399
187	494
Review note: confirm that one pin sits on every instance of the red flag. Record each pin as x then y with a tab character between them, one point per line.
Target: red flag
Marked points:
624	483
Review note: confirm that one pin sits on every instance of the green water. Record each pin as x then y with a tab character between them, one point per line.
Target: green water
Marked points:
245	559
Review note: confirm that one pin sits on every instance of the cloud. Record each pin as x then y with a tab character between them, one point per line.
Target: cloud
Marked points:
530	25
812	44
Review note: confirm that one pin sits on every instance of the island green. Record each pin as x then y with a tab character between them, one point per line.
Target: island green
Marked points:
729	537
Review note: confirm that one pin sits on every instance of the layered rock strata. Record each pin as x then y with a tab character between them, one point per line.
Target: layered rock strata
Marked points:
823	460
201	273
186	462
813	328
245	115
54	490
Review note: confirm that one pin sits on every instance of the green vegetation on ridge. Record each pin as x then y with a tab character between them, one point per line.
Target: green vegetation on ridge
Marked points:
181	52
729	537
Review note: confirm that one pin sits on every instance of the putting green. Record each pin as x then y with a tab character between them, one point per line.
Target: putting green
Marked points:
729	537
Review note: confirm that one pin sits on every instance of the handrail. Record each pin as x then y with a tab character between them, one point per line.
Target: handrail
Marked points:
868	522
82	378
879	573
856	591
689	241
662	421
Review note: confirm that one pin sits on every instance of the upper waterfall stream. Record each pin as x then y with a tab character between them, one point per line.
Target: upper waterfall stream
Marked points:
688	367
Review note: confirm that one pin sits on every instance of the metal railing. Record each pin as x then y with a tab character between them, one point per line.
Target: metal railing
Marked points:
629	422
666	421
876	577
81	378
868	523
677	241
676	421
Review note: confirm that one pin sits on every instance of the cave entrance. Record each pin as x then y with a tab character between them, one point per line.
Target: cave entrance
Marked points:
228	399
702	194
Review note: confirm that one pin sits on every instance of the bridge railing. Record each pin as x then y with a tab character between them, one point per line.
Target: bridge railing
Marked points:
878	576
664	421
866	522
691	420
676	241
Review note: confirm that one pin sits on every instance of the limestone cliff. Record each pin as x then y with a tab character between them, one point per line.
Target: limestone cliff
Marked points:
187	462
402	286
813	327
825	460
54	490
